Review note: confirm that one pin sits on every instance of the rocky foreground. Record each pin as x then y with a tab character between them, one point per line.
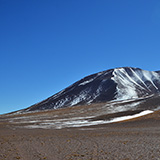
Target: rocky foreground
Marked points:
129	140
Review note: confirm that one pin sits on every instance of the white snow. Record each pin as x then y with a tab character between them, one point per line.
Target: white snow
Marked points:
85	82
123	107
140	79
82	121
127	92
131	117
82	96
150	76
127	85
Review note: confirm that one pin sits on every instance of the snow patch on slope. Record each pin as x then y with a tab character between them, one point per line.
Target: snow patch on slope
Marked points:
82	96
86	82
127	92
135	82
121	108
82	121
119	119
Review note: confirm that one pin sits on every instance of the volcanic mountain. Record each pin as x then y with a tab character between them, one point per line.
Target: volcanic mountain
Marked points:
117	84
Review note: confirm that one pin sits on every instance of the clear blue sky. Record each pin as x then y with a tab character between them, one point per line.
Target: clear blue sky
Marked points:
46	45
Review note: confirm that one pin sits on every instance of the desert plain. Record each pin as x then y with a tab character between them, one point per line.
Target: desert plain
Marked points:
135	139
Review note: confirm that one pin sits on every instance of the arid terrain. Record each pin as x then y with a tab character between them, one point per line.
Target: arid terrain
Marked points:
136	139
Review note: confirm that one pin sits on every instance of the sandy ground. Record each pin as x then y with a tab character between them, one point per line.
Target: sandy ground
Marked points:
137	139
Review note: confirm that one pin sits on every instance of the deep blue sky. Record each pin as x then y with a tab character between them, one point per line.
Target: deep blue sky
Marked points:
46	45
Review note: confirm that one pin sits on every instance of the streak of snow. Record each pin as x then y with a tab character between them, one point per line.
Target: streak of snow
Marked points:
82	96
131	117
150	76
124	107
127	92
61	102
127	85
139	78
84	122
85	82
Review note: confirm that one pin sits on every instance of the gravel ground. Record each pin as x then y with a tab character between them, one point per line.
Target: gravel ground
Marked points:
131	140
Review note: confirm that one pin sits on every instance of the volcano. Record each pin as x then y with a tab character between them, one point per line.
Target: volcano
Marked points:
119	84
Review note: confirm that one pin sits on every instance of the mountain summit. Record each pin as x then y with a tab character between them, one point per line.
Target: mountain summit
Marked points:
111	85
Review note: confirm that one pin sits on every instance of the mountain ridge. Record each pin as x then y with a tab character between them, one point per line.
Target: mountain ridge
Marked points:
122	83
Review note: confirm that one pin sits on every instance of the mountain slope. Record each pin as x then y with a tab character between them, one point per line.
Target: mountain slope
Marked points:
111	85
